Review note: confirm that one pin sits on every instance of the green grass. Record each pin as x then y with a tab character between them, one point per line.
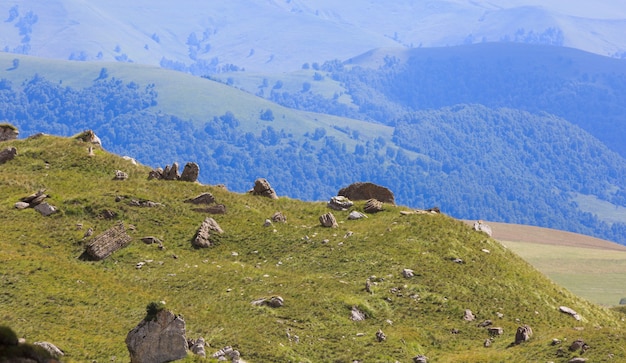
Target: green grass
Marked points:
595	274
87	308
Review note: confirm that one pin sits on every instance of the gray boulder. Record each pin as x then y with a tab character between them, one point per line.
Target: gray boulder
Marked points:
328	220
263	188
570	311
190	172
50	348
205	237
340	203
7	154
8	132
159	340
108	242
45	209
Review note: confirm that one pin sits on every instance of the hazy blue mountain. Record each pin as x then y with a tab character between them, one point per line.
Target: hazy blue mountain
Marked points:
279	35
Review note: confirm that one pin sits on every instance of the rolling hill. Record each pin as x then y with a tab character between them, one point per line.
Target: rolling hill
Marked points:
278	36
87	307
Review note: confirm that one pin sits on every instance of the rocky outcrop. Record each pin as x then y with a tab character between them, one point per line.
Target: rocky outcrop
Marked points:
365	191
190	173
8	132
339	203
7	154
373	206
206	235
263	188
159	340
108	242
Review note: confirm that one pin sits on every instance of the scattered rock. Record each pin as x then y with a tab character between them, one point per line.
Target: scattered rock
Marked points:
108	214
576	344
89	136
205	237
373	206
21	205
227	353
212	209
144	203
108	242
204	198
556	341
328	220
120	175
487	343
159	340
356	215
577	360
46	209
407	273
420	359
197	347
523	334
50	348
485	323
279	217
482	227
339	203
8	132
356	314
35	198
190	172
365	191
368	286
267	223
7	154
566	310
380	336
468	316
263	188
150	240
495	331
273	302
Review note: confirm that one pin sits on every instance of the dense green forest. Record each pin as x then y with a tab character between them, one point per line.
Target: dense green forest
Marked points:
472	161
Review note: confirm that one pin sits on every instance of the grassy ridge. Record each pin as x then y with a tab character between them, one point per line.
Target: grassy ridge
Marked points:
86	308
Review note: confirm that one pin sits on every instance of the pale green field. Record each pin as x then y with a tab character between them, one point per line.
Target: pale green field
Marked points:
598	275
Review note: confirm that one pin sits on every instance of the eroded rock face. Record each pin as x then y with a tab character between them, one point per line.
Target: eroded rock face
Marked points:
159	340
365	191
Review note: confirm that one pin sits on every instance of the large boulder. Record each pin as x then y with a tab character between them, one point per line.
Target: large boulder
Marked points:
7	154
190	172
8	132
158	340
108	242
263	188
365	191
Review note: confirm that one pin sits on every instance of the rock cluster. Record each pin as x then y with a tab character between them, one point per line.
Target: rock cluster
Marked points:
36	201
190	173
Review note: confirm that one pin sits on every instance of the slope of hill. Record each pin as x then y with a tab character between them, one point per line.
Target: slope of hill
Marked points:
592	268
86	308
237	137
277	36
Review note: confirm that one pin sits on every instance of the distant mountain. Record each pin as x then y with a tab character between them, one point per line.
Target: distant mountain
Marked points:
210	37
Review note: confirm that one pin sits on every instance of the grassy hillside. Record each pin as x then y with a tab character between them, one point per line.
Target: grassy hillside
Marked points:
86	308
589	267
